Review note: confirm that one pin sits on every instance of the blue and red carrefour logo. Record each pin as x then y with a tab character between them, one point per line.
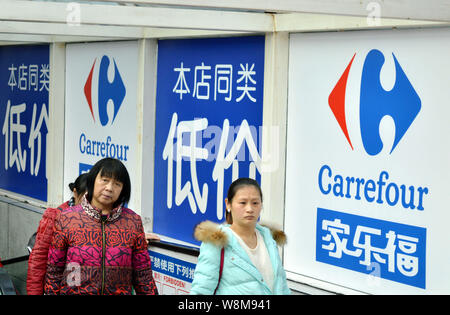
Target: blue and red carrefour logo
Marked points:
401	103
107	91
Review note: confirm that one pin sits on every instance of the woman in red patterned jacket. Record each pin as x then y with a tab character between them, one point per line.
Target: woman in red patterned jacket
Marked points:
99	246
37	262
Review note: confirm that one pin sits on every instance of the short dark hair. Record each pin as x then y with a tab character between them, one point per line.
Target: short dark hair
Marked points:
234	187
112	168
79	184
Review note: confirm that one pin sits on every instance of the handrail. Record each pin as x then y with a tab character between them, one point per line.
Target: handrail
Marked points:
184	249
14	260
189	250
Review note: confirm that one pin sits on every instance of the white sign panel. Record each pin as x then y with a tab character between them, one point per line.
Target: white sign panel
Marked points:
368	160
173	275
101	100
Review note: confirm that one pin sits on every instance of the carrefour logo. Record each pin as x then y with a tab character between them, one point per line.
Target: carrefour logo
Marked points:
107	92
401	103
104	93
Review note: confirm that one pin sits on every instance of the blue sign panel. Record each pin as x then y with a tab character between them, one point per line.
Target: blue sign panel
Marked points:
384	249
24	85
208	127
84	168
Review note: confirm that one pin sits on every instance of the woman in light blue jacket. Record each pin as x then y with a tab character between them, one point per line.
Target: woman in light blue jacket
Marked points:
251	262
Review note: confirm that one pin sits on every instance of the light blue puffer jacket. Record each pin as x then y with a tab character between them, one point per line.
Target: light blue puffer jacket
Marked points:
239	275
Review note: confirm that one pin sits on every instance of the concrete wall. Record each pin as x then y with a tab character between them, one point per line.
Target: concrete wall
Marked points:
18	221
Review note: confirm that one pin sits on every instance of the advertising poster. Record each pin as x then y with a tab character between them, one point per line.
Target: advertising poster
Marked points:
24	86
208	128
101	101
368	156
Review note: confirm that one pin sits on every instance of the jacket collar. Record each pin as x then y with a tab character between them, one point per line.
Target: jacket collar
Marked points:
245	262
221	236
96	213
266	236
212	232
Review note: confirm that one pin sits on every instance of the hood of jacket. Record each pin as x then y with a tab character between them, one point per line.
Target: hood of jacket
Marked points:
210	232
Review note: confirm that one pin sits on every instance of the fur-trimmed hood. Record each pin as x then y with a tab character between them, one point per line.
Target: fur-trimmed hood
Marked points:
211	232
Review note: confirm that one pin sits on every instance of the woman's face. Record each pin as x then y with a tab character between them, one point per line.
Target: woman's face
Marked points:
245	206
106	192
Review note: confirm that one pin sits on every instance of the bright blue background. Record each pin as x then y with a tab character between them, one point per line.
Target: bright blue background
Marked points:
352	263
23	183
179	221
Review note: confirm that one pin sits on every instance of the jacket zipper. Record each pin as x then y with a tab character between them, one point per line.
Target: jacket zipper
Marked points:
103	253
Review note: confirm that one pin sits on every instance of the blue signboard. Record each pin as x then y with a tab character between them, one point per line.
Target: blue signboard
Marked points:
24	86
208	127
383	249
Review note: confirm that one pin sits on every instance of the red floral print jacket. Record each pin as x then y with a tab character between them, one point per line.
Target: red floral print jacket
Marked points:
94	255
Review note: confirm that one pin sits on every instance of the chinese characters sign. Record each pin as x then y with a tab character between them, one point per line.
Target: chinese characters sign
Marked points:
172	275
384	249
208	127
24	86
367	161
223	82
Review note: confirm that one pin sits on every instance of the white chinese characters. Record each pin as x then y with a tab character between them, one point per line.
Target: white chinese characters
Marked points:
29	77
176	151
398	251
210	83
13	129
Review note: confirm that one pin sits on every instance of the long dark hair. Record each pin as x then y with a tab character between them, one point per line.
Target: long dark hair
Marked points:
79	184
234	187
112	168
